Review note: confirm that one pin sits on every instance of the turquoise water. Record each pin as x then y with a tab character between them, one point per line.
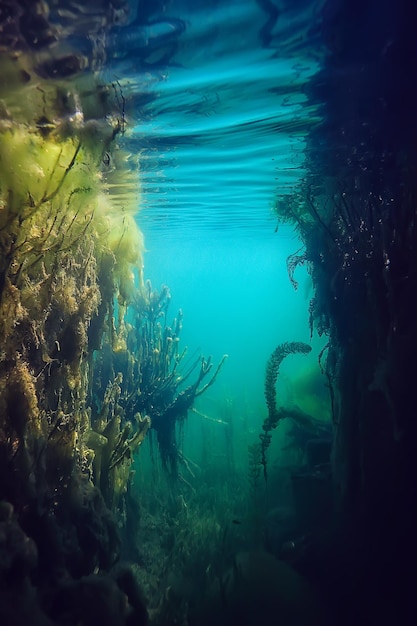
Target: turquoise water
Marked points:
223	140
226	132
236	298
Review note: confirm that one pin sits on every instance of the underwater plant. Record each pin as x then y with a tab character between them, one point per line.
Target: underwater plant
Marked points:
68	252
88	363
275	414
112	440
55	229
158	379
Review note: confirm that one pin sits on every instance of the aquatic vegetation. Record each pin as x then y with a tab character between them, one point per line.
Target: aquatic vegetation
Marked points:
71	296
359	246
358	251
159	380
55	224
274	413
111	441
68	252
293	479
186	541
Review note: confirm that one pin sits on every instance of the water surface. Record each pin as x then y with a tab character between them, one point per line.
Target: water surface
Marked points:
221	140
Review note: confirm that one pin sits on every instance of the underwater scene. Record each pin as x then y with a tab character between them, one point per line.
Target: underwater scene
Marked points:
208	313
